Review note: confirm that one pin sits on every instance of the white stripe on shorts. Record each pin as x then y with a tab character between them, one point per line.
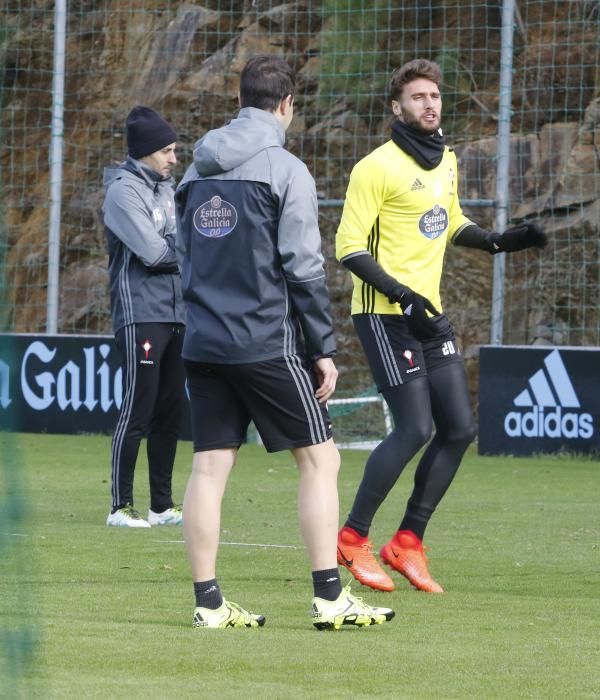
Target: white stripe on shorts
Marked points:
316	424
386	352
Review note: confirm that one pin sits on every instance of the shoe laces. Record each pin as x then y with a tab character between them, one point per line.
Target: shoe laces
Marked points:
357	600
240	612
367	547
130	511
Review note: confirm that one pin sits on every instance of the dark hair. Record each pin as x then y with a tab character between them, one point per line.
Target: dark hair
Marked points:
418	68
265	81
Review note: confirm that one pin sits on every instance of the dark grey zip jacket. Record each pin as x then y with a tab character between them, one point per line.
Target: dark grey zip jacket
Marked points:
252	271
141	228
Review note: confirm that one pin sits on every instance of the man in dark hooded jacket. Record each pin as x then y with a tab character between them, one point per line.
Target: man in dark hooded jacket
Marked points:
259	341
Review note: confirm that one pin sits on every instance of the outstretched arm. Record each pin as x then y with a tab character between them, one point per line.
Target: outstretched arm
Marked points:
513	239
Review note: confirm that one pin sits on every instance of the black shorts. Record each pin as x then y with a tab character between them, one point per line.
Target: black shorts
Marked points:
395	356
278	395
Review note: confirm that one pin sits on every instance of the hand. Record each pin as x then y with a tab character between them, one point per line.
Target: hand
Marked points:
521	237
415	307
327	376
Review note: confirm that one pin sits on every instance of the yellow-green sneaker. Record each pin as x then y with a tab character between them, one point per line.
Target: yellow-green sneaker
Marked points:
228	615
347	610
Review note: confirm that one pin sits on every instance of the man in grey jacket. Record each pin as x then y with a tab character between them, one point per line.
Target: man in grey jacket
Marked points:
148	316
259	341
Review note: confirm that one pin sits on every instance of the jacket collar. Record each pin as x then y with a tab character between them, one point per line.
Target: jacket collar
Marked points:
150	176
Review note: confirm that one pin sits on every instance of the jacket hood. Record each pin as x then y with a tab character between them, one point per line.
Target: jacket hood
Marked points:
111	173
226	148
133	167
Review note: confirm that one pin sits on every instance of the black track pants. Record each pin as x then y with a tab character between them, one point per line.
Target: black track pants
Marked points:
442	398
153	395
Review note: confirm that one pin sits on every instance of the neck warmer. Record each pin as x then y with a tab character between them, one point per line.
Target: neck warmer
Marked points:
427	150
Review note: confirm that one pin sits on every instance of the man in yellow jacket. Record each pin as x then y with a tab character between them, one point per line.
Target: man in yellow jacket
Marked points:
401	210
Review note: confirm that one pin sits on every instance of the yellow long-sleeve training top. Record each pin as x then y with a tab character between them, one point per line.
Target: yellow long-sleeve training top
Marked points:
403	215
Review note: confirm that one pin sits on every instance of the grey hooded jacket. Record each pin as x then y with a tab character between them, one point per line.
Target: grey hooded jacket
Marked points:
141	227
252	272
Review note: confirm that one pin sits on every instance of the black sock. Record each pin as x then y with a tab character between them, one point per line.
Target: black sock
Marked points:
208	594
413	524
327	584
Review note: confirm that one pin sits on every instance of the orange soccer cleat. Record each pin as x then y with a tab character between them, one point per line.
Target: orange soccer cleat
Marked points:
404	553
356	554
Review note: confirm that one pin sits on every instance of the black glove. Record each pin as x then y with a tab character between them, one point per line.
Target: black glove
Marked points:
515	238
521	237
414	307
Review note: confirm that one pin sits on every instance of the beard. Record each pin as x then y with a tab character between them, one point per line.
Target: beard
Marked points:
415	124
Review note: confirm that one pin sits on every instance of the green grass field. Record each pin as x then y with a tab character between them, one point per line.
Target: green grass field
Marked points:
516	543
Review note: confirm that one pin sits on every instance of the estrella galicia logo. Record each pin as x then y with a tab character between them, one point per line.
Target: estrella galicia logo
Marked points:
549	407
215	218
434	222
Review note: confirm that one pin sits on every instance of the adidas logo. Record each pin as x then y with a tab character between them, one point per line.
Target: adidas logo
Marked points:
550	391
199	621
417	185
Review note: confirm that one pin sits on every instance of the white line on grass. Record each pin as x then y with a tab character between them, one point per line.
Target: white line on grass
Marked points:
240	544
